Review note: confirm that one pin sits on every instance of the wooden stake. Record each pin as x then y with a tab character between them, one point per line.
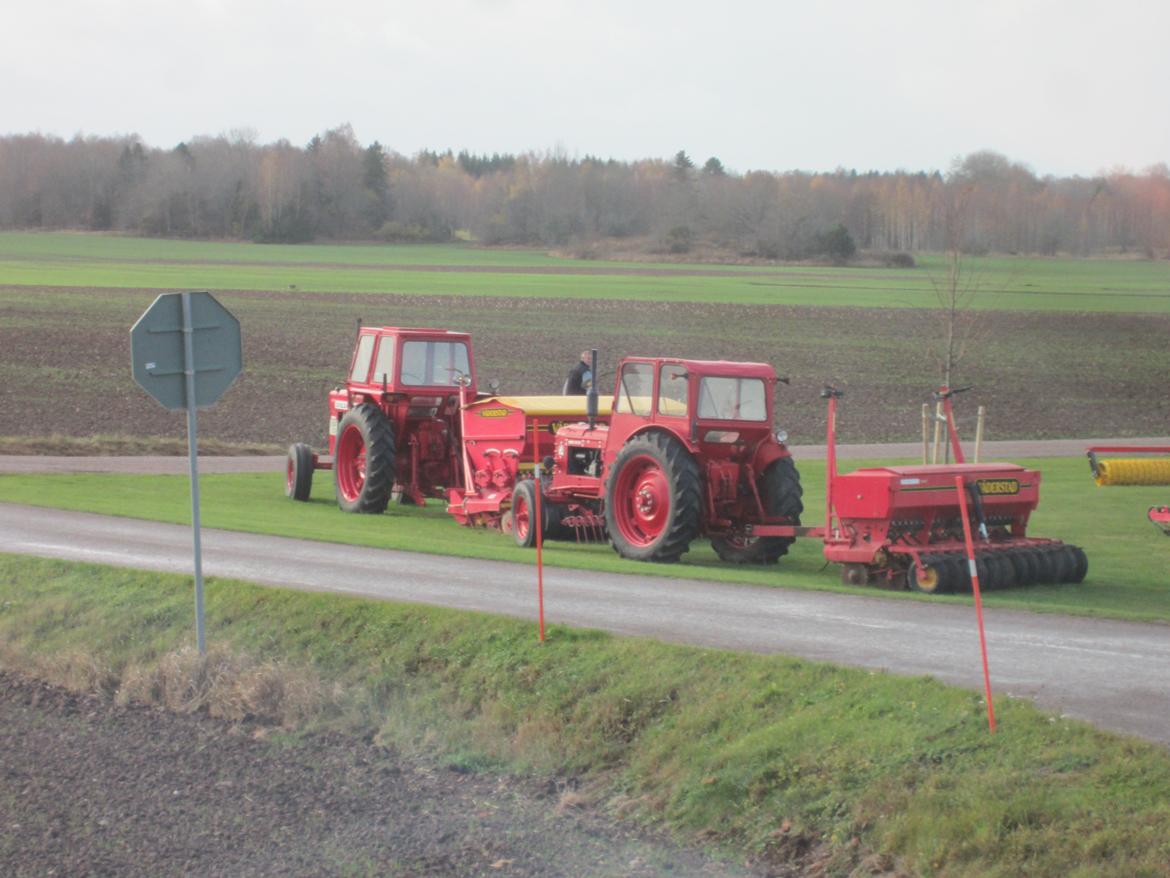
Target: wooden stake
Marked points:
925	433
979	430
938	421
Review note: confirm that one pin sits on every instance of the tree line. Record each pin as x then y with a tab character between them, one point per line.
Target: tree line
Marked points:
232	187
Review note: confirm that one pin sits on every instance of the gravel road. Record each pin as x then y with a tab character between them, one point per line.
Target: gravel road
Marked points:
1111	673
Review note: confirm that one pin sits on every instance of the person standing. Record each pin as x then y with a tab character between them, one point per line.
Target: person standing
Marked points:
577	384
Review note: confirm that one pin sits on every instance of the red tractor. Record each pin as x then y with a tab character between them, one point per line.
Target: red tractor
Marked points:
689	451
393	427
396	429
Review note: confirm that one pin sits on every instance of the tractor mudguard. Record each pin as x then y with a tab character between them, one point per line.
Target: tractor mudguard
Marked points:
767	453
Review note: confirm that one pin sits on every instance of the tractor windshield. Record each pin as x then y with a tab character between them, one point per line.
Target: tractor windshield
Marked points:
732	399
431	363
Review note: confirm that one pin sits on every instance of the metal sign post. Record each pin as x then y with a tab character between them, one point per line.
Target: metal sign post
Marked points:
185	352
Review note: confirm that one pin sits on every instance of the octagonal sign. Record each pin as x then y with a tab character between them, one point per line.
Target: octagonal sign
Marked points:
159	348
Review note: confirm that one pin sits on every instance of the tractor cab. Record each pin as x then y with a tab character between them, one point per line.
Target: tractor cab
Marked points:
394	424
721	409
413	375
689	450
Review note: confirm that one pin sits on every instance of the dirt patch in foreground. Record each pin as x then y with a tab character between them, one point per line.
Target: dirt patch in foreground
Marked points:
89	788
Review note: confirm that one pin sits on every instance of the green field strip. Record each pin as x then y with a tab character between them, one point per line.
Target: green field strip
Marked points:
999	283
1128	557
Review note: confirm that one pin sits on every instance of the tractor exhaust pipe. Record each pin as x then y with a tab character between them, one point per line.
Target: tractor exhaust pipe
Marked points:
591	395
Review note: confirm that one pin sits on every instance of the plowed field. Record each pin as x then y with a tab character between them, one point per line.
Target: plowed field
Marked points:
65	358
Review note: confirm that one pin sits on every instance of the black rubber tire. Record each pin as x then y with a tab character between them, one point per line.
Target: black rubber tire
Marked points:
1025	566
1068	560
962	573
954	570
781	494
683	516
935	580
524	497
378	439
299	482
988	567
1062	563
984	573
1082	564
1003	571
1047	569
854	574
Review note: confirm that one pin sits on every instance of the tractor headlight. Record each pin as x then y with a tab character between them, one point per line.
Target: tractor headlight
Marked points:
782	436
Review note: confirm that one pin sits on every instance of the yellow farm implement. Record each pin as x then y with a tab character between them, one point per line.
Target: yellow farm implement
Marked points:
1135	471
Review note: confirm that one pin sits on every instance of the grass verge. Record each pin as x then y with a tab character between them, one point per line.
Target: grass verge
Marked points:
1128	558
769	754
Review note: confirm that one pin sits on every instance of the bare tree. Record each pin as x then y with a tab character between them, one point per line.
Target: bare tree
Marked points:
957	288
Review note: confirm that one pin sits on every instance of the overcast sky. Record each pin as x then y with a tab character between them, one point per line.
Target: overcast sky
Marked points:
1066	87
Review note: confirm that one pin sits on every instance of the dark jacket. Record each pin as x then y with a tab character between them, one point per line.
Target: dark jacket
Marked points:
575	383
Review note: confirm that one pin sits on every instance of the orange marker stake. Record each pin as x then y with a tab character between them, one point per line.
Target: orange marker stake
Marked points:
978	600
539	531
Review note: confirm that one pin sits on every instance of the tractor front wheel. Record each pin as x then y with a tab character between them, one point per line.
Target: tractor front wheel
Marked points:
363	464
653	499
298	479
781	494
524	513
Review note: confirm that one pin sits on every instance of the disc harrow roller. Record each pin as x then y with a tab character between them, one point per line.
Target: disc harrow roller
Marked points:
1044	564
1132	471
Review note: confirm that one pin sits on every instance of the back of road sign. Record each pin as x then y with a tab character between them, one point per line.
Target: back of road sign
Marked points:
156	349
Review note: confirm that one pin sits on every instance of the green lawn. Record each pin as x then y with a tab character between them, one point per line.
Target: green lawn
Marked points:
1011	283
761	754
1128	558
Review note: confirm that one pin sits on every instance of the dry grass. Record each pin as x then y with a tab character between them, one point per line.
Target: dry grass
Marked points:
229	686
226	685
75	670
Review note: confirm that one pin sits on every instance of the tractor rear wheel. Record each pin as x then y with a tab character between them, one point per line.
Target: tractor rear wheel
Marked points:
653	499
298	479
363	462
781	493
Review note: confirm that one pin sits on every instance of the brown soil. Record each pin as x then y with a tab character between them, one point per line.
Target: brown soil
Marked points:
1039	375
88	788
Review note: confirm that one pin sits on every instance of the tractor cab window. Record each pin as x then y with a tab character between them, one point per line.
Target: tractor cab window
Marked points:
430	363
361	360
672	390
635	389
384	362
732	399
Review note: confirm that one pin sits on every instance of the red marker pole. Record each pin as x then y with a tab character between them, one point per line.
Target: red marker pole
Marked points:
539	531
978	600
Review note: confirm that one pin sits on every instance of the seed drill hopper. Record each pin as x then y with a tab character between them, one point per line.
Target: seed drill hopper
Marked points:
901	526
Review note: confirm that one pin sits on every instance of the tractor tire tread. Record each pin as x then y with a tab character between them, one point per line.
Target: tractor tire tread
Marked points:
300	484
378	433
783	494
